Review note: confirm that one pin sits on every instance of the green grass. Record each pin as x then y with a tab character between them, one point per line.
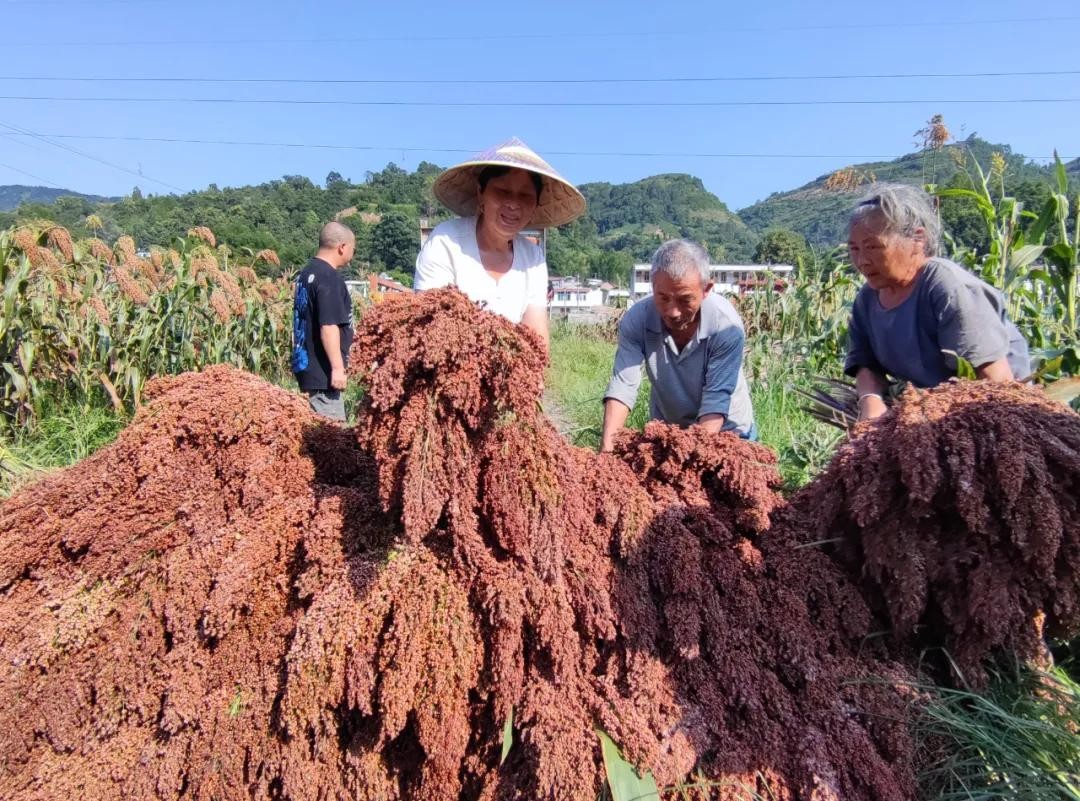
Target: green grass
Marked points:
581	367
64	435
576	380
1019	739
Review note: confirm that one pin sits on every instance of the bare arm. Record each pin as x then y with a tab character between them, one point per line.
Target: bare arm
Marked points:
330	336
615	414
871	388
536	318
713	423
995	371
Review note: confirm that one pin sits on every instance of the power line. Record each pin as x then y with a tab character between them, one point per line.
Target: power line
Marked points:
449	150
457	150
536	81
541	104
31	175
85	155
79	2
562	35
15	137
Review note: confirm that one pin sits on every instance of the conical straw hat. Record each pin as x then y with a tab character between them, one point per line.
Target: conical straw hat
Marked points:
560	201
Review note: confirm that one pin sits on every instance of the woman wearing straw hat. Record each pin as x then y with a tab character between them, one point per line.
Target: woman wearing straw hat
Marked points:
498	193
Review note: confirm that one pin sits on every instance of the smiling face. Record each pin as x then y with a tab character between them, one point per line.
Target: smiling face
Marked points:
508	203
886	259
679	300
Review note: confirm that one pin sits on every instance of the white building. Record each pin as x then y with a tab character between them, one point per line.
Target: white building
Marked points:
728	279
569	294
572	293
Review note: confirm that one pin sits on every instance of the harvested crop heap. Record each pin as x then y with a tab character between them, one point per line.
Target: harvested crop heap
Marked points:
238	601
959	515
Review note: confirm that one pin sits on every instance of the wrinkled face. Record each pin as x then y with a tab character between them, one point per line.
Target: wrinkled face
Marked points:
887	260
678	300
508	202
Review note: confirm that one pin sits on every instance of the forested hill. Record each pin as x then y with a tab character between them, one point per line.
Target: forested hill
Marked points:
624	223
818	210
633	216
12	196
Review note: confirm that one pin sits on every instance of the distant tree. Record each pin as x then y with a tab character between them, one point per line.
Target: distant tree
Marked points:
362	257
395	241
136	194
612	266
717	253
333	177
1033	194
404	278
782	246
564	257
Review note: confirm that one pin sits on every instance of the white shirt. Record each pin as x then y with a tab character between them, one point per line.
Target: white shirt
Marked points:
451	257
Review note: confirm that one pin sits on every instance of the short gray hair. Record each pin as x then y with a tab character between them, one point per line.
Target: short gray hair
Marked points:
680	257
905	209
334	234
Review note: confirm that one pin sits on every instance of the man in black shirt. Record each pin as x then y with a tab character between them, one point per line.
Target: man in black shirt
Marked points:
322	322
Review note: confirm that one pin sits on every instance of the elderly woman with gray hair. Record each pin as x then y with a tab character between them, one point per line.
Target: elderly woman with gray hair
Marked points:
917	311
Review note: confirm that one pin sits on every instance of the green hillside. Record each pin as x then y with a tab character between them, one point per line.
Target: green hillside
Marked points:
635	217
623	225
819	213
13	195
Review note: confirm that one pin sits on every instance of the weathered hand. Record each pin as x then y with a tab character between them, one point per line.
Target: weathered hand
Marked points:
338	378
871	406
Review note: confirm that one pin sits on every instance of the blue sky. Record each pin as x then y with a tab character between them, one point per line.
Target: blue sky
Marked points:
483	41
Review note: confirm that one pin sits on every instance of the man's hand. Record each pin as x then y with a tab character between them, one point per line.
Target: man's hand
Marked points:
713	423
615	414
996	371
330	335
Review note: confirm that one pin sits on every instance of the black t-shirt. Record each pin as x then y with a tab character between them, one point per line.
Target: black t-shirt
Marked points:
328	303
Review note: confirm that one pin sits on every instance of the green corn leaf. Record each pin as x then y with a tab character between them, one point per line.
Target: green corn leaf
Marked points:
985	206
507	735
964	368
17	379
624	781
26	356
1046	217
1021	257
1062	256
1043	276
1059	174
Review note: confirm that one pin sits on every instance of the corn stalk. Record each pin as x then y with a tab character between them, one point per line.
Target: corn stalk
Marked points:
97	324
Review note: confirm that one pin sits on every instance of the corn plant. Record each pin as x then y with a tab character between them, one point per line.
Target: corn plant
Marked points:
1034	265
809	317
85	320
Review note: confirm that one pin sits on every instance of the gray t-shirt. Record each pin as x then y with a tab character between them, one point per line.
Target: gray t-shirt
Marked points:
949	309
704	378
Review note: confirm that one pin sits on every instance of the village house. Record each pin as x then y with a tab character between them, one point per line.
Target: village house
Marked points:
728	279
